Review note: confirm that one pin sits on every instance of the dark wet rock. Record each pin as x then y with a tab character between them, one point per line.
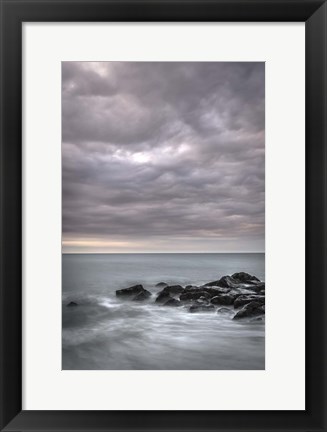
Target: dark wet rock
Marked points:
224	282
257	287
173	289
245	299
236	292
235	281
190	287
224	310
161	284
259	318
194	295
223	299
250	310
72	304
172	302
130	292
214	291
163	297
245	278
202	300
143	295
202	308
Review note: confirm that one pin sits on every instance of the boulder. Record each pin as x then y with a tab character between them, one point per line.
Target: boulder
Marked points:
245	278
214	291
161	284
172	302
250	310
163	297
202	308
194	295
257	287
223	299
143	295
248	298
173	289
72	304
130	292
235	280
190	287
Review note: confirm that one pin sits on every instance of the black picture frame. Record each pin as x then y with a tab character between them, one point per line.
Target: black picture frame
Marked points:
13	14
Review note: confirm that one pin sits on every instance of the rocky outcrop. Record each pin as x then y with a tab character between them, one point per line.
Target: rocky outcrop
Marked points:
245	299
245	278
130	292
143	295
163	297
173	289
72	304
239	291
161	284
223	299
172	302
194	295
202	308
250	310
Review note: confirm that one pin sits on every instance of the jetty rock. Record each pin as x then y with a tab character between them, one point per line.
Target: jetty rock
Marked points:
143	295
72	304
161	284
173	289
163	297
237	280
172	302
248	298
131	291
202	308
250	310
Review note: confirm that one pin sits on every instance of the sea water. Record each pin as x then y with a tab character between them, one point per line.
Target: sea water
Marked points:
107	333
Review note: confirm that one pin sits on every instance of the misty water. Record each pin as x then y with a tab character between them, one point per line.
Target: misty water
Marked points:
105	332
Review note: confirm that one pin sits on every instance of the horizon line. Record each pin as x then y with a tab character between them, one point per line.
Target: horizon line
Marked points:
157	253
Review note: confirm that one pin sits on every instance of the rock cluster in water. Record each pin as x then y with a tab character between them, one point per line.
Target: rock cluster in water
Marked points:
241	292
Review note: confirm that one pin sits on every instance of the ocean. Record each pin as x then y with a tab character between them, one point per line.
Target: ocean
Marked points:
107	333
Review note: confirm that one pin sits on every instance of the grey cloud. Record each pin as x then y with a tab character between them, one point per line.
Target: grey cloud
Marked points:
164	150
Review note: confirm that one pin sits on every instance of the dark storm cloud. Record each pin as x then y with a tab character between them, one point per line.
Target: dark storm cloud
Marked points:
164	151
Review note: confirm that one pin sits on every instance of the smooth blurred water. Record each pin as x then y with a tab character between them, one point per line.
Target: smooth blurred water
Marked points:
104	332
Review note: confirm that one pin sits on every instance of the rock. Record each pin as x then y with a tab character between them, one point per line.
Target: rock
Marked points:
173	289
224	310
131	291
161	284
215	291
194	295
257	287
72	304
245	299
223	299
190	287
262	292
202	308
224	282
143	295
163	297
235	280
172	302
249	310
245	278
260	318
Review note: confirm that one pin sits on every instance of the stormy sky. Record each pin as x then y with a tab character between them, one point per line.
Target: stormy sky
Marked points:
163	157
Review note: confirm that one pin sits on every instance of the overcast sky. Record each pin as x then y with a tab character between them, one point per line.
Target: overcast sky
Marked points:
163	157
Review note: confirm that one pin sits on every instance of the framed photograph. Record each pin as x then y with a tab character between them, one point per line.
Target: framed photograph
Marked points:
161	163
